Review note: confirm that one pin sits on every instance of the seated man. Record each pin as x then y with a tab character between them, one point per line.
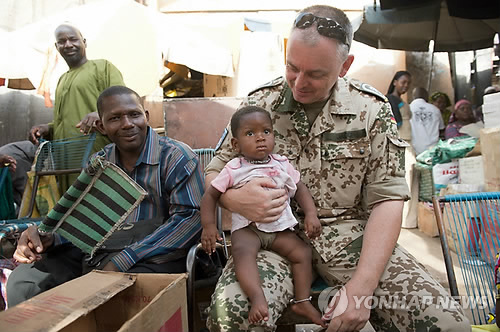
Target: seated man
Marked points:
167	169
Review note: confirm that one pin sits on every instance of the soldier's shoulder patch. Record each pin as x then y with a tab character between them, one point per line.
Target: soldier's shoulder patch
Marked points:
275	82
368	89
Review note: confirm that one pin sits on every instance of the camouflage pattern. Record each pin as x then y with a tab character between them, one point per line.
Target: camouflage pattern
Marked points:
230	306
350	159
407	297
351	145
404	279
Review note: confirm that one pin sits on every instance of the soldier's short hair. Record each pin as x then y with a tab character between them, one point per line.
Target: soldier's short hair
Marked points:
337	15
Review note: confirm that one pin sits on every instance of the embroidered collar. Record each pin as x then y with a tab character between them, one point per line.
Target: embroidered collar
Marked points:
258	162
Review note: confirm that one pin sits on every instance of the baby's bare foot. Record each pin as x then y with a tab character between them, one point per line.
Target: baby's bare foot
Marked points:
258	311
307	310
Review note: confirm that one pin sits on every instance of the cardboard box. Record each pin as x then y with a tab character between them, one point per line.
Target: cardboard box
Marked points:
427	219
490	141
105	301
457	225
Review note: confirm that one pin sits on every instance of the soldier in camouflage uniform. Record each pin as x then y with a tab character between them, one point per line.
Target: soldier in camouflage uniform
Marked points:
338	133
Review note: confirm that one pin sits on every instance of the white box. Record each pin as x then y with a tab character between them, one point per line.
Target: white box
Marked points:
490	141
491	110
470	170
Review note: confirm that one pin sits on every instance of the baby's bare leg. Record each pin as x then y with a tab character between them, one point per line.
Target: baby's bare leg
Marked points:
289	245
244	247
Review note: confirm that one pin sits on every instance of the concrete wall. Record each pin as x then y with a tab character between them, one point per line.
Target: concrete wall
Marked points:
419	65
19	111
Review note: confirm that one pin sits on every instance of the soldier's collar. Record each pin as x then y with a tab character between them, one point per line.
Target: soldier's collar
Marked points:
285	101
338	101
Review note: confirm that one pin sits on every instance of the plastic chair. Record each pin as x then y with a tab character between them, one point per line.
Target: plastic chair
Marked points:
197	258
469	224
60	157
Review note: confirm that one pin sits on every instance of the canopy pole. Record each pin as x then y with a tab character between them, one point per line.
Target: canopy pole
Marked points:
430	72
432	50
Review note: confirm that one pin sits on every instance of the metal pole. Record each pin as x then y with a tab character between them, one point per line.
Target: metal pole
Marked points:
430	73
452	281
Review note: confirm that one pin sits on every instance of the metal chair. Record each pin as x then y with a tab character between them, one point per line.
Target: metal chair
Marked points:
56	157
197	256
469	224
60	157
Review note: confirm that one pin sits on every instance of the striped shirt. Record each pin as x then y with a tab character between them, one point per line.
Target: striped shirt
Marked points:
170	172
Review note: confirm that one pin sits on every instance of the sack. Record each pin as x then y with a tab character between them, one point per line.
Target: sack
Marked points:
445	151
444	174
426	184
46	198
7	209
453	148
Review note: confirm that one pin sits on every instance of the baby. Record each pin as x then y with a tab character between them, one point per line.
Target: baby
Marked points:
253	139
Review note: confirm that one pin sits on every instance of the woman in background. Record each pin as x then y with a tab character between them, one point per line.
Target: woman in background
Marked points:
442	101
399	86
462	115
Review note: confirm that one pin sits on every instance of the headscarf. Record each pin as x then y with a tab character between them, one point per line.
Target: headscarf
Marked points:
438	94
461	102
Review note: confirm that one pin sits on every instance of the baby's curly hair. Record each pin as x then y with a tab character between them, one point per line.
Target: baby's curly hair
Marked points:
236	118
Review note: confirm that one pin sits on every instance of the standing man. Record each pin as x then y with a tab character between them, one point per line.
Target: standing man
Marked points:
75	102
165	225
426	121
339	134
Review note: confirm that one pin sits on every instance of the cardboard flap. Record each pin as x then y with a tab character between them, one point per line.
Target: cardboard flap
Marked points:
166	312
58	307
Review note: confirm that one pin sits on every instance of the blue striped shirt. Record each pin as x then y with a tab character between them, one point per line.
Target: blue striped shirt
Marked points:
170	172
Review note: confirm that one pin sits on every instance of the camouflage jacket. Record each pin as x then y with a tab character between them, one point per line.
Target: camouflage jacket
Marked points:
350	159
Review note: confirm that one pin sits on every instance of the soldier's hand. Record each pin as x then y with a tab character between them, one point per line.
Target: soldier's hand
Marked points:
31	245
344	314
255	200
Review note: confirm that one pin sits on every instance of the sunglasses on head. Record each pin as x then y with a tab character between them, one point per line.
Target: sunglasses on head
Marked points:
326	26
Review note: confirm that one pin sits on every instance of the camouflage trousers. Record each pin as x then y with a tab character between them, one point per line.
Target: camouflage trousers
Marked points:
407	298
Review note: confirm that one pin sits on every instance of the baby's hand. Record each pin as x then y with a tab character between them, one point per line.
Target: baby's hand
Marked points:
312	226
209	237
